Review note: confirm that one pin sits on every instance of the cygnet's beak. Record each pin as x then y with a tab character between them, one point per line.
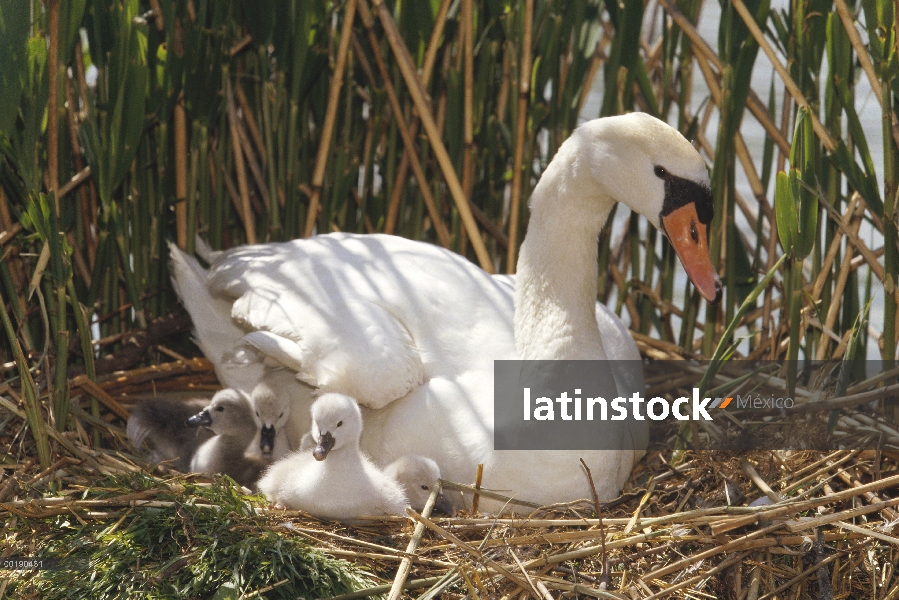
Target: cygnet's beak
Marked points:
689	236
443	506
324	446
267	440
202	418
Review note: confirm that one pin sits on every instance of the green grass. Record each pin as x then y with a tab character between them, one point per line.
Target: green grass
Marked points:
208	544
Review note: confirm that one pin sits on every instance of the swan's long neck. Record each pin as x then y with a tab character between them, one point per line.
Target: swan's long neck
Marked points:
555	293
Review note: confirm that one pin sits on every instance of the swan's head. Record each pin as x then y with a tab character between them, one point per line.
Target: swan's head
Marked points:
648	165
417	475
336	422
226	414
270	411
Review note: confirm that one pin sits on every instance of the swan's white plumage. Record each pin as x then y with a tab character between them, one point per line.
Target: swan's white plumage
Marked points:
415	329
345	485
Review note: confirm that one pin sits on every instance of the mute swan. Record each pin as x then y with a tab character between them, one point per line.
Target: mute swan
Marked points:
336	480
157	426
228	416
412	330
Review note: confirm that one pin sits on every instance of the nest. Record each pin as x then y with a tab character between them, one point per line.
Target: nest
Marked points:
710	524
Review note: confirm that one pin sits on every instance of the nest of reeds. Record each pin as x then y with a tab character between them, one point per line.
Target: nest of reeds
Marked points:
714	524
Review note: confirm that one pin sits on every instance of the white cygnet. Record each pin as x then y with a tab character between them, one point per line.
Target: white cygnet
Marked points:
271	413
417	475
336	480
229	417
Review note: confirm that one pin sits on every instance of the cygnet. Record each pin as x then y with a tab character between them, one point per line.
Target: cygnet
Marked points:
229	417
417	475
271	413
157	427
336	480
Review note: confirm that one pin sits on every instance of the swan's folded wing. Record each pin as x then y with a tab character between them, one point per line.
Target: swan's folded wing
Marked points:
359	348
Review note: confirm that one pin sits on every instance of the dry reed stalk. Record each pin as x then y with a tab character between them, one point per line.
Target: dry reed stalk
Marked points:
477	554
750	472
804	523
449	485
232	191
382	589
246	112
865	60
443	235
870	497
180	114
829	461
421	104
246	212
538	592
803	575
468	152
869	256
324	143
692	581
868	533
253	163
475	500
524	86
735	544
834	247
791	86
403	572
757	109
840	285
788	508
92	389
402	172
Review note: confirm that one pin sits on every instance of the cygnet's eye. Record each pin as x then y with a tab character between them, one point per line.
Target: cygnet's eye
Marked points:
339	423
281	415
660	172
257	413
220	408
424	487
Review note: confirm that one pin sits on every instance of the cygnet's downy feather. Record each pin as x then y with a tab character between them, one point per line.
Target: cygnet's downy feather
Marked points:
228	416
336	480
157	427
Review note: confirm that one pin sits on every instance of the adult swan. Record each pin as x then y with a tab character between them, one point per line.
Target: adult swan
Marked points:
411	330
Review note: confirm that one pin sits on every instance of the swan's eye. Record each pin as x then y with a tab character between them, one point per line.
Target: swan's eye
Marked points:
424	487
693	233
660	172
339	423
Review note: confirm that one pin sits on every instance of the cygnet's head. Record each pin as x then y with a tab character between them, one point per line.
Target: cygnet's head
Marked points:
417	475
643	162
270	411
227	413
336	422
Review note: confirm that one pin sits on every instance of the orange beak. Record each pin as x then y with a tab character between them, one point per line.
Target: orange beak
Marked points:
688	236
